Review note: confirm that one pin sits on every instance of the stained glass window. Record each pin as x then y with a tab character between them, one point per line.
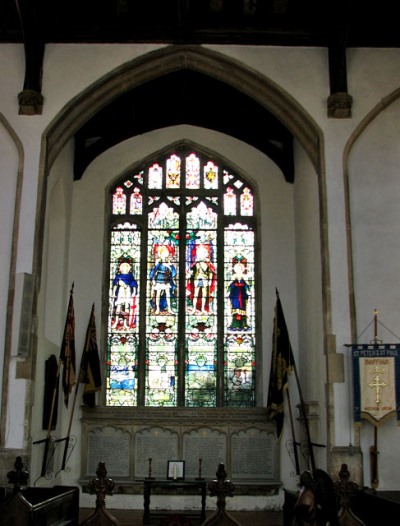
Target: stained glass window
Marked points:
181	318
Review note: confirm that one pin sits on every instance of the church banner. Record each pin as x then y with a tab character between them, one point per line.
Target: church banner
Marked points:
376	368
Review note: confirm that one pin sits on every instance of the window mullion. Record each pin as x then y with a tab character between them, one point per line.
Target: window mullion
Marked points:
181	350
143	317
220	309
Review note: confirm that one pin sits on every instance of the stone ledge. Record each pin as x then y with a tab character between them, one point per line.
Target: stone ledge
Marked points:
135	487
188	415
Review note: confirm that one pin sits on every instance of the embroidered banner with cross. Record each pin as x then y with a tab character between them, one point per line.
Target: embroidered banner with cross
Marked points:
376	366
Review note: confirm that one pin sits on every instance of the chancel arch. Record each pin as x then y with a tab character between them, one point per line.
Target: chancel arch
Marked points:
82	111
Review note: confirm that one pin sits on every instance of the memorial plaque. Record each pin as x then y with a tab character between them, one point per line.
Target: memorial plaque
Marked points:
111	446
243	440
158	444
208	445
252	455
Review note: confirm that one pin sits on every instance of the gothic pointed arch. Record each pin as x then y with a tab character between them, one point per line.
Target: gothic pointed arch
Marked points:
168	60
174	58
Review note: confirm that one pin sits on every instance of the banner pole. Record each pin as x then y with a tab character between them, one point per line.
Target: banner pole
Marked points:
295	443
48	436
67	438
373	453
306	423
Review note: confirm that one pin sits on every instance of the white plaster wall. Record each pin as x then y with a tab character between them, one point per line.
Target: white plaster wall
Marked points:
372	75
310	362
374	182
53	300
296	70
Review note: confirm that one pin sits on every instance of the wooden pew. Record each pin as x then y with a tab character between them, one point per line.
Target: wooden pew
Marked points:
56	506
22	505
221	489
101	486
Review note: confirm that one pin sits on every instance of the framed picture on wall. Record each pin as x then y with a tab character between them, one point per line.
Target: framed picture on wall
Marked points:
176	470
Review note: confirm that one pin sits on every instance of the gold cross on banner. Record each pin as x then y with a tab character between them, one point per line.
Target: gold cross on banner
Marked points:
377	383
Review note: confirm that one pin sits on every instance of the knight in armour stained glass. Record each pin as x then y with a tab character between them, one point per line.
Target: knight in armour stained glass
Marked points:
201	280
162	276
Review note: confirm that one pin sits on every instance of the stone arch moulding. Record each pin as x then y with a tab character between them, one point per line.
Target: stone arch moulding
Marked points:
225	69
371	116
382	105
232	72
173	58
8	130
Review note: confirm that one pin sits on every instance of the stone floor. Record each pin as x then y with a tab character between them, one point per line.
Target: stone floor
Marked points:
245	518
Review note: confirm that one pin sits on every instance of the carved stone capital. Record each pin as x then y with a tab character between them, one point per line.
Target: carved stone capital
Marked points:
339	105
30	102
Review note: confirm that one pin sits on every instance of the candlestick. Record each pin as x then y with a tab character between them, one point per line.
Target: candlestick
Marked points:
200	477
150	477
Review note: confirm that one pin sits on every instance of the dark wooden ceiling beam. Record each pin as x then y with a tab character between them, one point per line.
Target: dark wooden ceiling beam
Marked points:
193	26
339	100
31	98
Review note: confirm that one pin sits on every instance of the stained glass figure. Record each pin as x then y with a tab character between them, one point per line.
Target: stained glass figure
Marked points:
181	328
246	202
124	269
136	206
162	276
125	289
155	176
123	316
192	171
239	316
201	278
239	291
230	202
119	201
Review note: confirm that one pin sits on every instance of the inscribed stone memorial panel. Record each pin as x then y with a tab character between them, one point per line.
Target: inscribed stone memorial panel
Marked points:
158	444
208	445
111	446
252	455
